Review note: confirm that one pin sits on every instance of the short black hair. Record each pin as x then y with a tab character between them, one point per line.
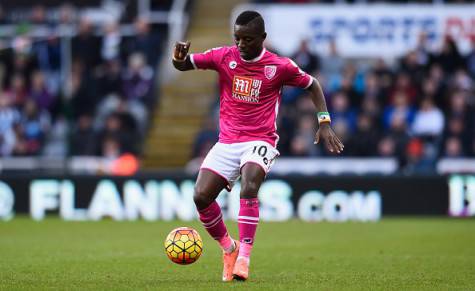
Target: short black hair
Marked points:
253	17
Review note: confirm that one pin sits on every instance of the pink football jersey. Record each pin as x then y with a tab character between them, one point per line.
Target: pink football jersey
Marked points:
250	91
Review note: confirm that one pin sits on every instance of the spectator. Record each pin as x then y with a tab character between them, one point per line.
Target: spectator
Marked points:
38	15
428	120
83	137
306	131
456	129
347	87
416	160
108	78
115	129
453	148
40	93
81	88
305	59
35	125
110	148
85	46
111	42
459	107
341	110
333	63
430	89
449	57
18	91
384	73
462	80
67	14
422	51
299	147
404	86
20	147
398	133
135	113
399	109
387	147
47	54
19	61
137	80
9	118
372	87
365	139
57	139
372	108
411	67
144	42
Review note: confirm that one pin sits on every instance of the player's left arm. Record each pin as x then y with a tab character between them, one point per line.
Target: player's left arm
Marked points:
324	132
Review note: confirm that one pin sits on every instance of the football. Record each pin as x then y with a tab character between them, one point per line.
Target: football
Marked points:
183	245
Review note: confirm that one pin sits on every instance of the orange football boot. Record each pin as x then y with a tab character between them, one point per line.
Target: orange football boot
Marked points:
241	269
228	262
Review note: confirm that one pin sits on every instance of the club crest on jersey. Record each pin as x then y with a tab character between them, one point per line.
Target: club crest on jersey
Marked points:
269	71
232	65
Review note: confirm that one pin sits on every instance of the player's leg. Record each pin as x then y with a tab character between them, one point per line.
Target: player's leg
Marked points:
252	176
218	171
207	188
255	164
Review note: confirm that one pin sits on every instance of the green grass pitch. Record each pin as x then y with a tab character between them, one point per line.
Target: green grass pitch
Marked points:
394	254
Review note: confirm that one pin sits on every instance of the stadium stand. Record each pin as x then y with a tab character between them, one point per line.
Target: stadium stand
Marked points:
416	109
92	91
74	83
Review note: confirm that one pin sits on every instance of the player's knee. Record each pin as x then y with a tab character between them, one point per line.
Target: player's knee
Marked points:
249	189
201	198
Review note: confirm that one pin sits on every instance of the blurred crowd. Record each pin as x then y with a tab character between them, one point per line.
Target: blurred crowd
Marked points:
416	109
89	94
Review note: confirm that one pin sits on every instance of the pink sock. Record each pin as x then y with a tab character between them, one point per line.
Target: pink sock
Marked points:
212	220
247	223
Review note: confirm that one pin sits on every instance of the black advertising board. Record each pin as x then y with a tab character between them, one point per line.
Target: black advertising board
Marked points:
165	197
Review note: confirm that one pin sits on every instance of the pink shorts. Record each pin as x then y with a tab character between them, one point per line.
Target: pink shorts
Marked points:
226	160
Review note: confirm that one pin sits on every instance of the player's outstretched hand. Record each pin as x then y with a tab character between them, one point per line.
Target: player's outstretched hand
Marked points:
332	142
181	50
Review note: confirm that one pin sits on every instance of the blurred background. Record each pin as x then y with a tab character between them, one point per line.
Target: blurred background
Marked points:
87	89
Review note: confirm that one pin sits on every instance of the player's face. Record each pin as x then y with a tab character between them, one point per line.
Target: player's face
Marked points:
248	41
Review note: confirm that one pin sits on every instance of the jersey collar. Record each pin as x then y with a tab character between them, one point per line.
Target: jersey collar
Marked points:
258	58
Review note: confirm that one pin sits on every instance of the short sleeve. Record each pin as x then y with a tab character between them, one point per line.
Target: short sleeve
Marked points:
209	60
294	76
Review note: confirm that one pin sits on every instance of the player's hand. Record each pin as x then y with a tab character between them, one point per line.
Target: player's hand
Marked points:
181	50
332	142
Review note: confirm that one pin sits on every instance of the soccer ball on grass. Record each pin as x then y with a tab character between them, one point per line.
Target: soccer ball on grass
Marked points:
183	245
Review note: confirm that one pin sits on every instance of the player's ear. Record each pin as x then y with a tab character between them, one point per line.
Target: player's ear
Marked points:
264	35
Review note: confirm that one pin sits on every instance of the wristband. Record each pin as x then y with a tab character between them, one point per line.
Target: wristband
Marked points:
323	117
178	60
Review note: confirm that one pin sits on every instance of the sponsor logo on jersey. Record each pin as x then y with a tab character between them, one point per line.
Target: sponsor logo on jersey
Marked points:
269	71
246	89
232	65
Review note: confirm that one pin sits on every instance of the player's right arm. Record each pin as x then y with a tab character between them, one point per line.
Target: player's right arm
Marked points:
181	59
